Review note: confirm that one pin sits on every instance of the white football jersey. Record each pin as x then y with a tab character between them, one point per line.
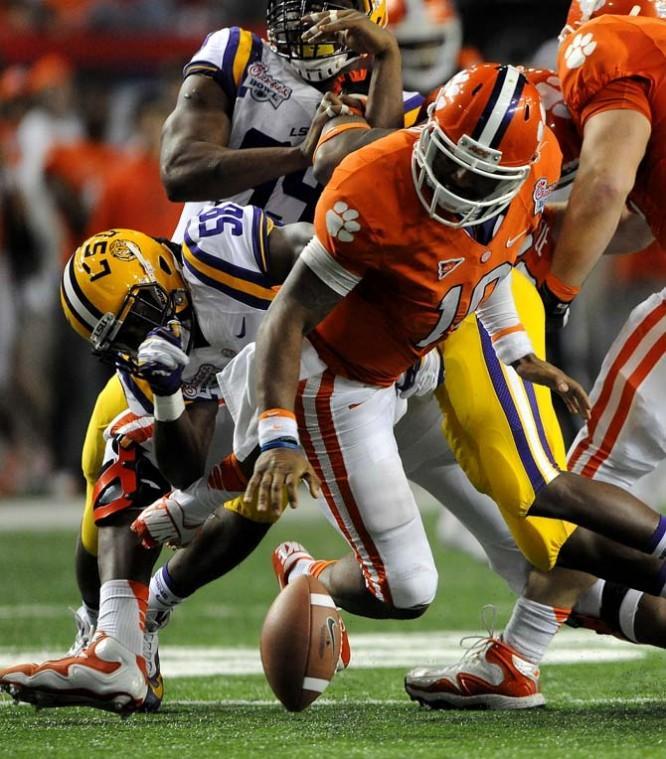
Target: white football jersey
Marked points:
225	267
272	107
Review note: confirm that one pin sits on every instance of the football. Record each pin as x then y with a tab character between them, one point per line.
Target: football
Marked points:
300	643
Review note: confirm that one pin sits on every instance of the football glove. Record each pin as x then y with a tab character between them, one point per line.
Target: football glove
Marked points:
423	376
161	358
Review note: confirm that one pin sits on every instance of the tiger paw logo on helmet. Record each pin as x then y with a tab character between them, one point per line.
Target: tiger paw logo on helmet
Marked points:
580	48
341	222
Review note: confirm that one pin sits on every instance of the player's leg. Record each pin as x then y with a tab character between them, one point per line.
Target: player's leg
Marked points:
625	437
111	672
429	462
110	402
347	431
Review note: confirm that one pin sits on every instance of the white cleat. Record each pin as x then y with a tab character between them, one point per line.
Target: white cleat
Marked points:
106	675
491	675
168	521
85	630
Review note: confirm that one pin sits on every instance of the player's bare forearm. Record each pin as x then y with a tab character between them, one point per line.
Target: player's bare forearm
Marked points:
384	108
181	446
301	304
331	152
196	163
613	146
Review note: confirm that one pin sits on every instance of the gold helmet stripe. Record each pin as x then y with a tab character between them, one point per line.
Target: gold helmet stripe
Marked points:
78	304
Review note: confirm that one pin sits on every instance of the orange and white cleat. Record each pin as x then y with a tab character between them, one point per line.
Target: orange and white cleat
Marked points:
285	557
105	675
490	675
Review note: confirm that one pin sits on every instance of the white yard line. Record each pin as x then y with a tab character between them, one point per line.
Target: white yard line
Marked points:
369	651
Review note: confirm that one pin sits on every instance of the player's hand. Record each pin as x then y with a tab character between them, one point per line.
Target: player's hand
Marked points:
533	369
330	107
161	358
352	28
423	377
557	311
276	470
166	522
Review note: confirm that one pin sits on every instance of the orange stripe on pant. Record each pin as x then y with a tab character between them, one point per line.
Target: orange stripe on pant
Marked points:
332	445
621	359
626	399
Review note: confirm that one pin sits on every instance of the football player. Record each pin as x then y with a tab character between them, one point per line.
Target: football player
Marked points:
261	97
468	186
612	63
430	36
169	317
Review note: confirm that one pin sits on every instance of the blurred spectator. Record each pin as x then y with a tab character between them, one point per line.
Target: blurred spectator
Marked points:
132	194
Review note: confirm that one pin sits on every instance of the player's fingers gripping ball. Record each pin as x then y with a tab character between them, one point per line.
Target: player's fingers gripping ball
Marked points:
161	358
423	377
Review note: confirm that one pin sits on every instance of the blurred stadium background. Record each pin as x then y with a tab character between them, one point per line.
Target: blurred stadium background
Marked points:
84	88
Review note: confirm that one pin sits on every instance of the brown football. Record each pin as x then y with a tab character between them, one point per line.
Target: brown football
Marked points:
300	643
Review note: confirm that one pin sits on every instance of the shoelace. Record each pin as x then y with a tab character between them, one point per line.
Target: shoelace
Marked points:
477	644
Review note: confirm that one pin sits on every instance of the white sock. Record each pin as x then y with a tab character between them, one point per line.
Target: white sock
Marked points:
160	596
532	627
122	612
300	567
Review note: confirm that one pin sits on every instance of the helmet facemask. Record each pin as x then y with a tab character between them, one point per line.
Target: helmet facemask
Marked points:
117	337
490	187
313	62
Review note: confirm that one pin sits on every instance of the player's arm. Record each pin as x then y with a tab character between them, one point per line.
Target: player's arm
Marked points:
499	317
340	137
614	144
285	245
303	301
196	163
181	436
384	107
181	445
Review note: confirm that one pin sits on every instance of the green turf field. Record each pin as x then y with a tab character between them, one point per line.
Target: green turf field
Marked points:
613	708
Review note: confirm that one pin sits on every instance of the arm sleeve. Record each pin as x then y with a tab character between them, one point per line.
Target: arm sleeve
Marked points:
500	319
225	56
630	94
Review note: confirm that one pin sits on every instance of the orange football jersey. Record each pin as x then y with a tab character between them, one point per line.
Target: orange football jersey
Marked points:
591	64
410	279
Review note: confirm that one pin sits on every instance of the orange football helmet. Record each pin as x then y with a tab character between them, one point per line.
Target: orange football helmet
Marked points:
429	33
558	118
581	11
476	149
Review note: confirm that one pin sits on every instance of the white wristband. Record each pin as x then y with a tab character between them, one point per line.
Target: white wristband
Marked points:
168	408
273	426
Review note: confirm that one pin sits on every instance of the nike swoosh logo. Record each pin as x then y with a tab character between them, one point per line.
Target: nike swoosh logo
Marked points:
331	629
241	334
512	240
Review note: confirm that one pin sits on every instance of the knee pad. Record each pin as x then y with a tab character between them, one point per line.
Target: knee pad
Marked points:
413	587
127	481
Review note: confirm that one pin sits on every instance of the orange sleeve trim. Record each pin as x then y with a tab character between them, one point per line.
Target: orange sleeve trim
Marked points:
277	412
560	289
507	331
628	94
339	129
